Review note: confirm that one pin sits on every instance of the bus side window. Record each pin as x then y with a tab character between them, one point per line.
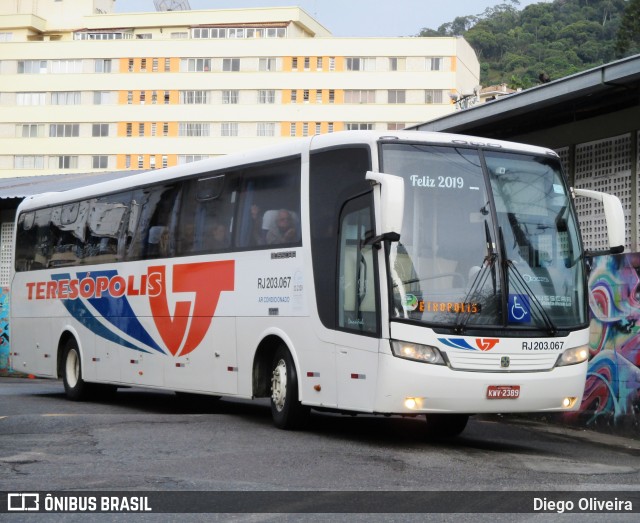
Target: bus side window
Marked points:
157	218
206	217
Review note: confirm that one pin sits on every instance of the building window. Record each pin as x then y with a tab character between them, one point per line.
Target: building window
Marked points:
63	162
65	98
140	161
129	97
66	66
130	65
397	64
293	129
330	127
154	128
357	126
332	63
102	66
165	129
435	64
152	161
305	129
195	65
154	97
32	67
154	65
397	96
167	64
231	64
129	129
194	97
64	130
193	129
100	129
396	126
28	162
189	158
266	129
167	97
307	63
143	65
433	96
294	96
332	96
305	96
100	162
141	129
229	129
180	34
143	97
361	64
360	96
6	36
319	63
230	96
165	161
100	97
267	64
127	161
318	128
318	96
267	96
30	98
294	63
30	130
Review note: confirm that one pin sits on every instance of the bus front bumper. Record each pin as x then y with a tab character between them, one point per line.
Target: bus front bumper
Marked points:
409	387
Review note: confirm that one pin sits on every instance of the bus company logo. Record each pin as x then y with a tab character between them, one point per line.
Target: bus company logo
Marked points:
100	301
482	344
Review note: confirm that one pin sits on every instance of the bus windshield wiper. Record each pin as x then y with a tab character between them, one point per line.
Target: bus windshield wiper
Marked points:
525	286
488	265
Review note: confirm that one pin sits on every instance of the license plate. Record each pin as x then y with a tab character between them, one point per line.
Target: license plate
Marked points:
503	392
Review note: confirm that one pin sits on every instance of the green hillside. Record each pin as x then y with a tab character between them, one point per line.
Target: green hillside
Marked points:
522	47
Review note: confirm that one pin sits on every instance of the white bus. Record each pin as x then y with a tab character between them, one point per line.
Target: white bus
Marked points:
406	273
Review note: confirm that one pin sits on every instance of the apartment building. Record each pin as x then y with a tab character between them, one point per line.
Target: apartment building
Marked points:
84	89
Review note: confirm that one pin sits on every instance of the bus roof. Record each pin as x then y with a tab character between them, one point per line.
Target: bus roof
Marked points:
288	149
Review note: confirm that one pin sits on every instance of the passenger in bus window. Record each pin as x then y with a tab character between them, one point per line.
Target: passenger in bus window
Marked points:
283	230
257	236
220	239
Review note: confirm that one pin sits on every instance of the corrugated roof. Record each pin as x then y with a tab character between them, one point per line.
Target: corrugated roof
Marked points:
24	186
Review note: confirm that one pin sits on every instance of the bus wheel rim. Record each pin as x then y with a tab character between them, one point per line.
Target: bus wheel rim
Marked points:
72	368
279	385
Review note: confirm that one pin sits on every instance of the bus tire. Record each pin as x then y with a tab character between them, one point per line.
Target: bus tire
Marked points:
286	410
74	386
442	426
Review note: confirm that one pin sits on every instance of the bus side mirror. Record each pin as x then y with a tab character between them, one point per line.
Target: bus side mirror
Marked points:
391	203
614	216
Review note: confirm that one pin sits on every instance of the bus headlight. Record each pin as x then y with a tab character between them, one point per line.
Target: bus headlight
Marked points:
573	356
417	352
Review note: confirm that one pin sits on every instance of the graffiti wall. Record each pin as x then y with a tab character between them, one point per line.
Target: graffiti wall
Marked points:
612	392
4	331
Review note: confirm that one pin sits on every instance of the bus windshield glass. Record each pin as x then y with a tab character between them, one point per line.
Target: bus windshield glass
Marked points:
489	240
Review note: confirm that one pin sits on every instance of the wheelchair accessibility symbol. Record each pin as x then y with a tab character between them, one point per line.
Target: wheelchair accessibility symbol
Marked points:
519	311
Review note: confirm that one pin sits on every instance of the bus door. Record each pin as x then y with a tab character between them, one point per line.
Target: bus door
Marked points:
358	305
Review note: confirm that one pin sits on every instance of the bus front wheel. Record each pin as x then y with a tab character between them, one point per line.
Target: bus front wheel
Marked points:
287	411
74	386
440	426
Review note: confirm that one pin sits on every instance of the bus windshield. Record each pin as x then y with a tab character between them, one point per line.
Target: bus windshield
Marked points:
489	241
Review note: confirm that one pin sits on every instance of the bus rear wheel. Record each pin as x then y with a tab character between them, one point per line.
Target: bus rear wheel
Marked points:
286	410
441	426
74	386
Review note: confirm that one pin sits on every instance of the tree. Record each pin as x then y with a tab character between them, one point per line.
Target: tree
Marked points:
628	37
